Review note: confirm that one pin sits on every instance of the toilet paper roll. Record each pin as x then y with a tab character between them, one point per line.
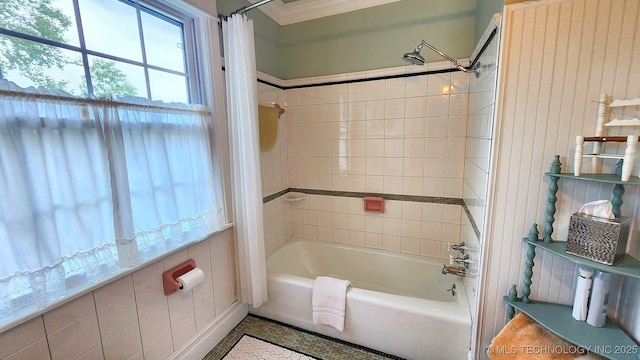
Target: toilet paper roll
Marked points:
190	279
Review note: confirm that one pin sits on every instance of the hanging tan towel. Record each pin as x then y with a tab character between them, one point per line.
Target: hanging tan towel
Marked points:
523	338
268	122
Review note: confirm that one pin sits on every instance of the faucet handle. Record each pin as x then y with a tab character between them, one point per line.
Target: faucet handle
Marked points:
461	247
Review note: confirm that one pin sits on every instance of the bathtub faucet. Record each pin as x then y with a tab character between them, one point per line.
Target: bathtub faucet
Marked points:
464	260
461	247
455	270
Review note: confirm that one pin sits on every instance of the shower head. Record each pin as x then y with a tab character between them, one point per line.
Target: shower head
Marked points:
415	58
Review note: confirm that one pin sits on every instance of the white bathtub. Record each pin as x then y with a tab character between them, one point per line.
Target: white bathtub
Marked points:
397	304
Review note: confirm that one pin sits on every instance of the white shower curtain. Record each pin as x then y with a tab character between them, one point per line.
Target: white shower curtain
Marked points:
242	111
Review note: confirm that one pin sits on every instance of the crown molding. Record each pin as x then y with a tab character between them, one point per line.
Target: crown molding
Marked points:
304	10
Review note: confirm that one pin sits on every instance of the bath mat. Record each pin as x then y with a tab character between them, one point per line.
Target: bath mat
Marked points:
249	347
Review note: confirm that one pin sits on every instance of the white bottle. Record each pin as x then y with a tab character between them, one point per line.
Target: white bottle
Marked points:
597	314
582	294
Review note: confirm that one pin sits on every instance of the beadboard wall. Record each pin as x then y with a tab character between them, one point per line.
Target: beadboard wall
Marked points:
557	57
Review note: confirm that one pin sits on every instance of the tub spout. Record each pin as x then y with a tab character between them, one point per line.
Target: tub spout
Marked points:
455	270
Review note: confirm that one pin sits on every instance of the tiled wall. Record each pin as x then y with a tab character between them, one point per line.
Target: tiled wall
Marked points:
275	169
482	96
394	136
131	318
401	136
412	227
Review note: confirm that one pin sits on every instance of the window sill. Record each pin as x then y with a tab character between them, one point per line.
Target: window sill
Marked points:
76	292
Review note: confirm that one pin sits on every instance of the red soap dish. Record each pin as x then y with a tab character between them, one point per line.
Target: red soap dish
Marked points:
373	204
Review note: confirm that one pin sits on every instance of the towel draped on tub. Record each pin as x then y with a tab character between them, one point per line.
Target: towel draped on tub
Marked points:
329	300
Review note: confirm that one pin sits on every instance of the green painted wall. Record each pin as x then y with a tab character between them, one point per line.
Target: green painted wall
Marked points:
484	13
377	37
366	39
267	37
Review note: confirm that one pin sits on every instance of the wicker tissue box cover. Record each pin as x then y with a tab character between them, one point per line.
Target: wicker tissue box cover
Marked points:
598	239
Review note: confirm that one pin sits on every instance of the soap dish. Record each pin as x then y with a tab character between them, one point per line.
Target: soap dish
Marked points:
293	196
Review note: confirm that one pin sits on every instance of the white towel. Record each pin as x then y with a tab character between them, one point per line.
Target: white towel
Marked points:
329	301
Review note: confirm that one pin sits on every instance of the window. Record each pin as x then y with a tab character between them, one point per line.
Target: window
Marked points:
106	150
99	48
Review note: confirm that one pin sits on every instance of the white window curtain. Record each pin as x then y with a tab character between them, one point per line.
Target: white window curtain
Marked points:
242	111
89	188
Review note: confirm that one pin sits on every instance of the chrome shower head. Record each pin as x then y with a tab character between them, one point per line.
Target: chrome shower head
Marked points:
414	57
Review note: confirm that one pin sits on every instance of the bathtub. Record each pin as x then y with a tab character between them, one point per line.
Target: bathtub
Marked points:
397	304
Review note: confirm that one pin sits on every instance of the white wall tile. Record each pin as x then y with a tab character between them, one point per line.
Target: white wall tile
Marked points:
395	88
117	315
183	330
21	336
375	110
37	350
438	105
375	90
69	313
154	324
205	313
392	242
124	344
394	108
150	296
160	348
113	291
75	339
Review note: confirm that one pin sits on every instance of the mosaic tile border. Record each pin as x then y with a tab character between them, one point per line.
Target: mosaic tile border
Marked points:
354	194
312	344
415	198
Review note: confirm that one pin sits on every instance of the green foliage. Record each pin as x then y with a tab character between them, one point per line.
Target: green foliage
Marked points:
33	60
38	18
108	80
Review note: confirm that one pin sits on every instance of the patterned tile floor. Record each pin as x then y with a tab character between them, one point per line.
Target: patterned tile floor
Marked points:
307	343
249	348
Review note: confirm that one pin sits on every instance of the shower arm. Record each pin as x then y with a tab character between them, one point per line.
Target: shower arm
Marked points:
453	61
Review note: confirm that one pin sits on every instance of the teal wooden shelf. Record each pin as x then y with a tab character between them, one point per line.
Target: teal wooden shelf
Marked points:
608	341
628	266
601	178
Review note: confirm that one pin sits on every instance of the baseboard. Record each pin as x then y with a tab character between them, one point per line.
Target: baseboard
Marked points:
201	344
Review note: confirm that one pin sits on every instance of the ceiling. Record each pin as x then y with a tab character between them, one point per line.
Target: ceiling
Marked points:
286	12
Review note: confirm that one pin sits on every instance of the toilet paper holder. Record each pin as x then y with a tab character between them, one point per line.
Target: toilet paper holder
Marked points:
170	277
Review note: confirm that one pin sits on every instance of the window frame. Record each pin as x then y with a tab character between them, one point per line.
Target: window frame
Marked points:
206	65
161	10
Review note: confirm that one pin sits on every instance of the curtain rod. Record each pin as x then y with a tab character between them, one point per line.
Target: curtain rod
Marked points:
244	9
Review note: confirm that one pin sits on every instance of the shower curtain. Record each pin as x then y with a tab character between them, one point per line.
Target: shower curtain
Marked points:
242	113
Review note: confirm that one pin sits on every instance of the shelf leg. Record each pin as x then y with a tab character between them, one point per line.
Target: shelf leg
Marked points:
603	116
533	232
616	202
577	160
528	274
511	311
551	200
629	157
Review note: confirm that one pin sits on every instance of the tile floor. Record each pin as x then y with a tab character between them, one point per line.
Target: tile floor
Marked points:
292	338
249	348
